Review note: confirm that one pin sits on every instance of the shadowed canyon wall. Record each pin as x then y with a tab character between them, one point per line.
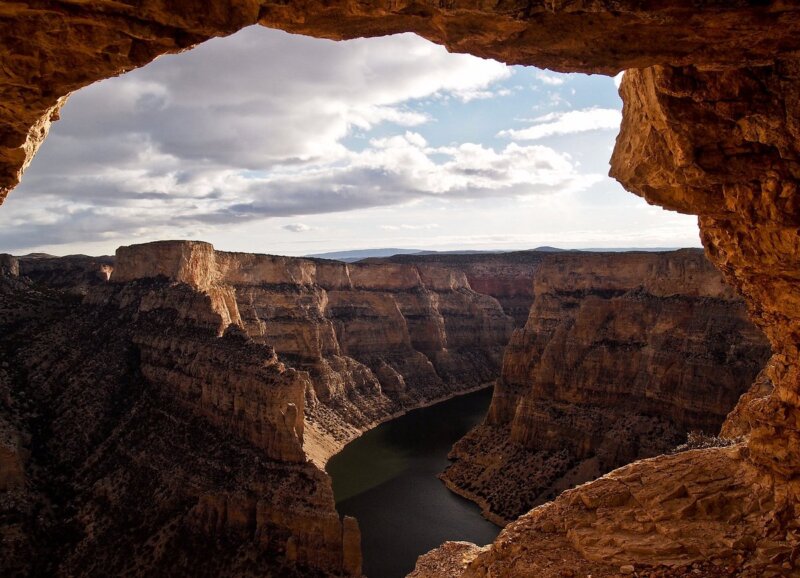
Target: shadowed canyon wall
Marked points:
136	438
622	355
153	374
709	128
508	277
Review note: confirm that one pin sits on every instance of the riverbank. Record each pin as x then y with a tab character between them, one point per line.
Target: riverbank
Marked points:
320	446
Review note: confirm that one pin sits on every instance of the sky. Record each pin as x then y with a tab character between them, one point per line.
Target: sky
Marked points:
272	143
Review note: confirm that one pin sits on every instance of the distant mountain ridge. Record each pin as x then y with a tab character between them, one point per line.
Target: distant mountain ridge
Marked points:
360	254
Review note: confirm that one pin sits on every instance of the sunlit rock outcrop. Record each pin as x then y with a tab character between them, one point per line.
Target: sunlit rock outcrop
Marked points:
375	338
732	159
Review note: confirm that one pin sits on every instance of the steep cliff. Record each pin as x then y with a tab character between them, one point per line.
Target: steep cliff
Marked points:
138	440
200	383
375	338
621	356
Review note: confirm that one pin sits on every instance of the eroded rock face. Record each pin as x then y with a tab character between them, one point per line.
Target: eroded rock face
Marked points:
138	440
702	512
53	48
375	338
622	355
508	277
733	161
9	266
722	143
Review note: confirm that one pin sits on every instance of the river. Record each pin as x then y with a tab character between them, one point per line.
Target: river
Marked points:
387	480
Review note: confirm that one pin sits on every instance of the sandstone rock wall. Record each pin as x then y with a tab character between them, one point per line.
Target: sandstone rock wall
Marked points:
738	170
709	128
695	513
136	440
375	338
622	355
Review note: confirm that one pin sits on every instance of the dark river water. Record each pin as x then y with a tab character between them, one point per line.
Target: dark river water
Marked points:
387	480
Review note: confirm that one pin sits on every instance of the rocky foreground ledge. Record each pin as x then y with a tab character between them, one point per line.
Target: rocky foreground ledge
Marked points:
706	513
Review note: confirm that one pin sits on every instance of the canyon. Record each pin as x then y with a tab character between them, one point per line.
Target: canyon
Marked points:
157	372
709	128
374	338
146	378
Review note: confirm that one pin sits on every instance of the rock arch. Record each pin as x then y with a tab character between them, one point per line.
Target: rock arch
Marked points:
711	119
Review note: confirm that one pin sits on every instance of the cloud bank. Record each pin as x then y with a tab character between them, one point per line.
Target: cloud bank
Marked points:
567	122
256	126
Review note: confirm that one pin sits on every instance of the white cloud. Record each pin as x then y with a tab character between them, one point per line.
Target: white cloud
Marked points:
258	99
263	125
197	137
618	79
397	170
550	79
570	122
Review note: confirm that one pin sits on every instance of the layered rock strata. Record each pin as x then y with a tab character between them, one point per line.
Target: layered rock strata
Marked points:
622	355
9	266
208	381
375	338
138	440
707	513
721	143
508	277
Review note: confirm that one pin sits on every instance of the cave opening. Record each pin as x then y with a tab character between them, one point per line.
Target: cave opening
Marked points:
389	142
735	95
